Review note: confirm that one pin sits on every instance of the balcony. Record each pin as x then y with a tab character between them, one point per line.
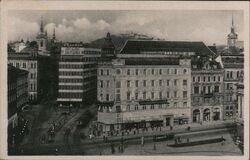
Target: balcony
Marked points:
150	102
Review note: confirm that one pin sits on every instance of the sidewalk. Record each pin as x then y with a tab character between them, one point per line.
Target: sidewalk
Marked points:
176	130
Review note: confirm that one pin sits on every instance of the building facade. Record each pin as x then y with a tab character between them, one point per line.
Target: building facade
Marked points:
147	84
207	90
77	74
17	99
28	62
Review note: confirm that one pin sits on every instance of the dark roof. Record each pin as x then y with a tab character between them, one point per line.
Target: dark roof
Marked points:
136	46
152	61
26	56
13	71
200	62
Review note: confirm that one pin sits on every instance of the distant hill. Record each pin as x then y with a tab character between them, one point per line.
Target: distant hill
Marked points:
119	40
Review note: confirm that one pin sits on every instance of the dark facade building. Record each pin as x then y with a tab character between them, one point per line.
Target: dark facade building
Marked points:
17	99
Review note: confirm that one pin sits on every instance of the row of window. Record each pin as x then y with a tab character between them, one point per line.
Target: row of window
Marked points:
152	107
206	89
145	95
23	65
144	83
64	87
70	95
207	79
33	87
146	71
207	100
76	66
70	80
70	73
229	74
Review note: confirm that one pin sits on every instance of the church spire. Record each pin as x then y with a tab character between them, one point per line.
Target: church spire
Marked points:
41	26
232	27
54	33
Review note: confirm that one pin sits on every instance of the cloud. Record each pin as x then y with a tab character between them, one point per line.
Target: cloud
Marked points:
210	27
20	29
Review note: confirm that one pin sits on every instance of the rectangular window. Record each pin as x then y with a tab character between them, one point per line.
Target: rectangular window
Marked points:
152	71
118	97
101	84
136	72
144	71
136	107
204	89
218	78
196	89
217	89
204	79
167	82
175	71
152	95
184	82
136	83
144	83
199	79
209	89
152	107
160	95
118	84
144	107
160	71
152	83
175	94
184	94
17	65
185	104
144	95
208	79
128	84
101	72
24	65
107	97
108	83
214	78
160	82
107	72
128	72
136	96
176	82
168	94
128	95
168	71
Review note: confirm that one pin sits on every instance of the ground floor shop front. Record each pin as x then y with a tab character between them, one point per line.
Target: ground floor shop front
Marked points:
141	125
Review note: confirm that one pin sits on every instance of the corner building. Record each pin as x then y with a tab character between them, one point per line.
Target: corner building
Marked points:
149	84
77	75
207	90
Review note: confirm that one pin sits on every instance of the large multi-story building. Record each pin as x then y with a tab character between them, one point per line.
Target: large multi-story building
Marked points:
27	61
17	98
233	62
207	90
147	84
77	74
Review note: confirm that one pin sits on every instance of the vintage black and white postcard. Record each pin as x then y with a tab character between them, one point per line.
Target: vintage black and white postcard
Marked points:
124	78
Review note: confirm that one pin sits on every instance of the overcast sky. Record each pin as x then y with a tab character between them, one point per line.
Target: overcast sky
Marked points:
208	26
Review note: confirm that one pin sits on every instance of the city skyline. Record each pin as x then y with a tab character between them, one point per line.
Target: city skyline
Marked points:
87	26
